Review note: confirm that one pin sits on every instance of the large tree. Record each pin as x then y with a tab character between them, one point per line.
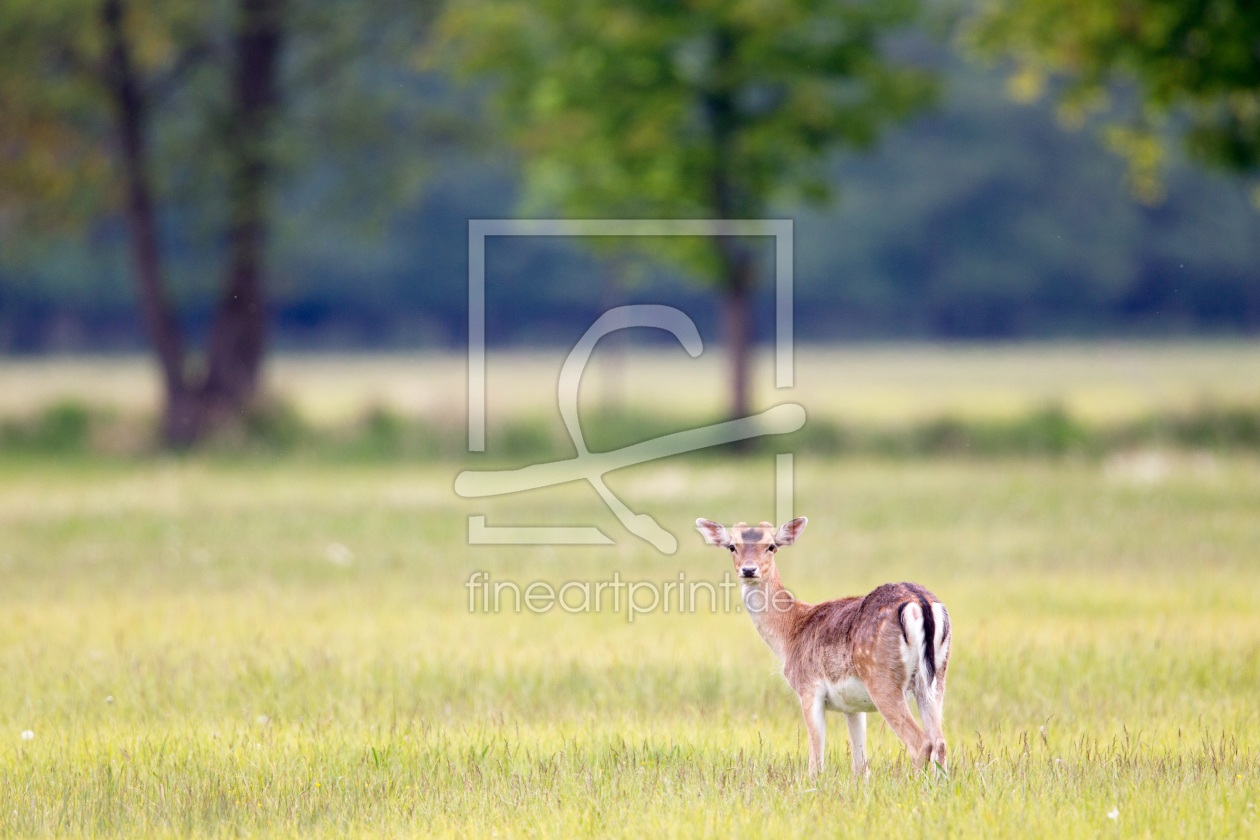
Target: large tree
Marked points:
83	82
1158	68
125	107
690	109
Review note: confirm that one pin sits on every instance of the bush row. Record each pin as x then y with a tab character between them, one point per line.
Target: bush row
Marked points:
276	429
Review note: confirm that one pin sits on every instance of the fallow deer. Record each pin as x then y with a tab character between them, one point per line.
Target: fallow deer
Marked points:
852	655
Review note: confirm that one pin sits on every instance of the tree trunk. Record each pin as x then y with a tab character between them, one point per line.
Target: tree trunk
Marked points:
730	202
737	322
738	280
238	334
159	318
737	327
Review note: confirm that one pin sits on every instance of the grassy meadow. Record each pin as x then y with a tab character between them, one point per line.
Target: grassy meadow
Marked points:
283	646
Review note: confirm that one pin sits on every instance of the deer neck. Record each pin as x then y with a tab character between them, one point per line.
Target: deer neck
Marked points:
772	610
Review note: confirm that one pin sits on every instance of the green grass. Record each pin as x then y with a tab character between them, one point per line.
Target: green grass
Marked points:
194	659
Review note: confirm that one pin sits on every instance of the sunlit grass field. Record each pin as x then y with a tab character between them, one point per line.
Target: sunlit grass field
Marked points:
280	647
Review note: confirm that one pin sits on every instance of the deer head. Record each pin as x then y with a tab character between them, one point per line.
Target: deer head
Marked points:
752	547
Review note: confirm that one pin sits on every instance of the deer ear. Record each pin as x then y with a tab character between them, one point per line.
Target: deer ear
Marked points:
791	531
713	533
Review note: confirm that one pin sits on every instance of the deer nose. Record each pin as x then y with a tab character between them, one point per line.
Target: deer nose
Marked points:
748	571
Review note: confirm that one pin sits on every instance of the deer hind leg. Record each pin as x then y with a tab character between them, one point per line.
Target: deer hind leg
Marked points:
891	703
931	698
931	710
812	706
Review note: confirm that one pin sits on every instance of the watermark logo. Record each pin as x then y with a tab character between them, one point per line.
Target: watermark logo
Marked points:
628	597
593	466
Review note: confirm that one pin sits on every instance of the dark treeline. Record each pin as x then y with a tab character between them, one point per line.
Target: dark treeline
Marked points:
983	218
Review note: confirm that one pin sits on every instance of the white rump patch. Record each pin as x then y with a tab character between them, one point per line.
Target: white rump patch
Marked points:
941	642
912	642
914	652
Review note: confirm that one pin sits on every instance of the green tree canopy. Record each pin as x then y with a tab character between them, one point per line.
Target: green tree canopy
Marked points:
694	109
1193	66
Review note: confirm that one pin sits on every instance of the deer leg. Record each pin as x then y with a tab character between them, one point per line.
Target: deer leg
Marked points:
857	743
931	710
812	706
891	703
939	752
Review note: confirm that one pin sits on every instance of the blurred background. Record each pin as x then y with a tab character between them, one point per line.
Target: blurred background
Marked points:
244	223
